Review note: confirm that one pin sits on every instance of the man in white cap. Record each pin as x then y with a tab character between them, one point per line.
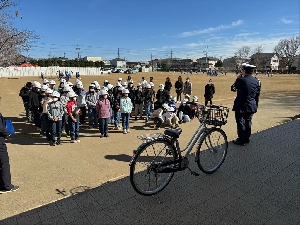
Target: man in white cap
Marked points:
245	103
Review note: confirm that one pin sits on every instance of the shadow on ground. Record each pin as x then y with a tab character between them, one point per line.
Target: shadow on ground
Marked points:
257	184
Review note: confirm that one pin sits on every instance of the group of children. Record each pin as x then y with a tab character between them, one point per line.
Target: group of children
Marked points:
62	110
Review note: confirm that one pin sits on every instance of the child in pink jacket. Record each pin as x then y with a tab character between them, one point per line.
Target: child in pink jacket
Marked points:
103	112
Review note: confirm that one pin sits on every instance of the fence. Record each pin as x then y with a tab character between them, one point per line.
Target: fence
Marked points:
47	71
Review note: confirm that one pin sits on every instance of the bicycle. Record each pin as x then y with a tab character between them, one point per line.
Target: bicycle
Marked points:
152	168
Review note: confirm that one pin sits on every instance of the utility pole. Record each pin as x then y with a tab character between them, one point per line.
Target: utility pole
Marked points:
152	62
171	60
118	53
78	49
64	55
206	57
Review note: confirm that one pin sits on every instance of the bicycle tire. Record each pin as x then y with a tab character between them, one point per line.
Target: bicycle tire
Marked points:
141	174
212	150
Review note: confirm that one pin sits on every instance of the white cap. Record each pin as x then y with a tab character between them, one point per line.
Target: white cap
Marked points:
62	80
103	92
120	79
67	89
52	82
165	105
56	94
184	101
195	98
44	88
105	81
72	94
138	85
36	84
125	91
45	81
245	65
49	91
152	84
118	84
92	85
78	81
161	87
109	86
69	83
124	83
79	85
187	95
148	86
174	99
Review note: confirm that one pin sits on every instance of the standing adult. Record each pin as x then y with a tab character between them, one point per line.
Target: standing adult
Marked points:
168	84
245	103
24	94
179	88
187	87
5	177
209	92
34	103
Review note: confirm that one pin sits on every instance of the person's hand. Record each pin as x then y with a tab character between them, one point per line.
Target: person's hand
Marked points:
74	120
239	76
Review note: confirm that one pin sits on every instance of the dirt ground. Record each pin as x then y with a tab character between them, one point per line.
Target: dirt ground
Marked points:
46	174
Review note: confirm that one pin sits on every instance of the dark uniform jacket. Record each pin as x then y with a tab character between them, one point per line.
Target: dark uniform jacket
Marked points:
162	96
178	86
209	91
248	90
3	132
168	86
24	94
34	100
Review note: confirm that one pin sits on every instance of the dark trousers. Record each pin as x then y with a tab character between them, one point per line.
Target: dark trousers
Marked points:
103	125
208	100
178	96
5	177
74	128
82	115
37	117
45	125
65	125
55	130
244	123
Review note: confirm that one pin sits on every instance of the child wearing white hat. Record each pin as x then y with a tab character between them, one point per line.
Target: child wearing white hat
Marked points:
73	117
55	112
125	109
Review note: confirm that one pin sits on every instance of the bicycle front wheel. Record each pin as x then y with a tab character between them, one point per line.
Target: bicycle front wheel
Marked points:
144	175
212	150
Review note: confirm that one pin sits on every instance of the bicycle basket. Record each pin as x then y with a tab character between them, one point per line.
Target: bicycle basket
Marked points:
214	115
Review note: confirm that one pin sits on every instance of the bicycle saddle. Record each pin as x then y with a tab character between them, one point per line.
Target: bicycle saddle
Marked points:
173	133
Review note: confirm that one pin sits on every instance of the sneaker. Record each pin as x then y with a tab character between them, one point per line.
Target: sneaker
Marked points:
119	128
52	143
116	128
73	141
68	136
78	140
101	136
128	131
58	143
124	132
63	132
238	142
106	135
14	188
157	128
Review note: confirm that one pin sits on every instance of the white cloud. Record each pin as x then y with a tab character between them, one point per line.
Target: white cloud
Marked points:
286	21
209	30
246	34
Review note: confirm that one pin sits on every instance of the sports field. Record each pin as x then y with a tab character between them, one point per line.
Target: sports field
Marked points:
46	173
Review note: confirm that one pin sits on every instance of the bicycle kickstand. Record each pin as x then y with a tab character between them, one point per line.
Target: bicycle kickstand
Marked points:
193	172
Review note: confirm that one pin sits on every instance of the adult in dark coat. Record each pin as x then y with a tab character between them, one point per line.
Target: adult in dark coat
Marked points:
168	84
179	88
24	94
5	177
245	103
34	104
209	92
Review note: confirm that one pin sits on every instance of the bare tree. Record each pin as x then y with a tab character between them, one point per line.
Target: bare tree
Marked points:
243	53
12	40
255	58
287	50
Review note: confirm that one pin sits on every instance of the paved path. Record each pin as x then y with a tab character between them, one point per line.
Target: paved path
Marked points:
257	184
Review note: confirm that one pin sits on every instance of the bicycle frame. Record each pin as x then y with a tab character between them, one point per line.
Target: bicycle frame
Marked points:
196	136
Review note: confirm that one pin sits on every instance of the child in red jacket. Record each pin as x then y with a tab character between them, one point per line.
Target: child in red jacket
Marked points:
73	117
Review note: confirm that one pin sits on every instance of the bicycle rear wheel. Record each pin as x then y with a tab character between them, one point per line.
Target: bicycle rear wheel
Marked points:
212	150
144	176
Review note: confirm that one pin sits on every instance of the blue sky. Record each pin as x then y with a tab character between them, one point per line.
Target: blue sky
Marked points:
140	28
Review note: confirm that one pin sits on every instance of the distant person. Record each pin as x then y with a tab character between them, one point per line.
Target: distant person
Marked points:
209	92
245	103
187	87
179	88
168	84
